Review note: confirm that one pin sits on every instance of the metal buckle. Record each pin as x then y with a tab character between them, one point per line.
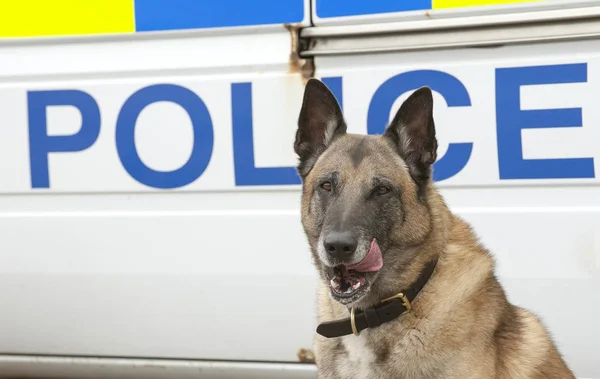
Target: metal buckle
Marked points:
353	323
404	299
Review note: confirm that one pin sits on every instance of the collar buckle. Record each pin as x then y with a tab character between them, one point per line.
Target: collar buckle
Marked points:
353	323
402	297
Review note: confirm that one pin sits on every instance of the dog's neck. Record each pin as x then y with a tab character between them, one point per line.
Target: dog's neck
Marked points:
434	245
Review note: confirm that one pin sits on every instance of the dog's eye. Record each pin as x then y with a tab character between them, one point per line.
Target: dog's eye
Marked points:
326	186
382	190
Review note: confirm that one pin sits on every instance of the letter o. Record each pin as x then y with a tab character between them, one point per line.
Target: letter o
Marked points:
203	136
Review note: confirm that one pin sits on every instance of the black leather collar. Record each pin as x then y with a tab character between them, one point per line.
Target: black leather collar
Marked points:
388	310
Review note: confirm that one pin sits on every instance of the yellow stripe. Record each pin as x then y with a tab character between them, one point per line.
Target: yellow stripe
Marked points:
31	18
438	4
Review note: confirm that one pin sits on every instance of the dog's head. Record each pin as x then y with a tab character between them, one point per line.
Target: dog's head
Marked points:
364	198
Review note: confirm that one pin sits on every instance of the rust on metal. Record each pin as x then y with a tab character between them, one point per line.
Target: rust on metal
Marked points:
303	66
306	356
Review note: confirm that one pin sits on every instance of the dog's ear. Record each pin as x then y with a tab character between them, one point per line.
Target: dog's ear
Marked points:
320	121
413	133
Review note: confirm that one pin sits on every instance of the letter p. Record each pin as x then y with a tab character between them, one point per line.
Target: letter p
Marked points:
41	144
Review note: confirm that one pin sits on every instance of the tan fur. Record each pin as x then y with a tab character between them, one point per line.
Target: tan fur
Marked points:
461	326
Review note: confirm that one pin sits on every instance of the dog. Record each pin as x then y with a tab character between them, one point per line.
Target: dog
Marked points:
406	290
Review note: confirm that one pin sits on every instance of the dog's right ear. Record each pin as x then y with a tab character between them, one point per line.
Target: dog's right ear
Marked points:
320	121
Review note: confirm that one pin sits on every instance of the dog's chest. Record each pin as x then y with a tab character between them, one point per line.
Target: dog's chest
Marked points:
376	355
360	358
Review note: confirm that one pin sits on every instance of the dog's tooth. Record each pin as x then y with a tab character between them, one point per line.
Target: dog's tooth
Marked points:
334	283
356	285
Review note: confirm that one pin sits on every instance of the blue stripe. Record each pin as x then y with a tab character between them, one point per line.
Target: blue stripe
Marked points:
340	8
155	15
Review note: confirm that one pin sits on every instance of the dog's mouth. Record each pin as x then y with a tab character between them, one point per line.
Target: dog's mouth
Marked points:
348	285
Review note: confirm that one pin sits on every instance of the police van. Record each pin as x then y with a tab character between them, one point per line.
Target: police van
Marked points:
149	202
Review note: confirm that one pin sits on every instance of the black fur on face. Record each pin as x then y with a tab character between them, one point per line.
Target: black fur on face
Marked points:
362	205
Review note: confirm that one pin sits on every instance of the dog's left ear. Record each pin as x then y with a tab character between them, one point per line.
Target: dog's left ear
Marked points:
320	121
413	133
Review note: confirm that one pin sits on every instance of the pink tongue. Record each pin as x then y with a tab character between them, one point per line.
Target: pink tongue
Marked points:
371	262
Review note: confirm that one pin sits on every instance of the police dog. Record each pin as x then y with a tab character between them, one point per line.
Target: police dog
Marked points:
406	290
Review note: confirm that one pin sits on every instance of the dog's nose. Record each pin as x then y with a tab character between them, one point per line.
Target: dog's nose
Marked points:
340	245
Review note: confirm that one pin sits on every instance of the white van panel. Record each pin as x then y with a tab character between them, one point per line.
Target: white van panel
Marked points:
98	262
